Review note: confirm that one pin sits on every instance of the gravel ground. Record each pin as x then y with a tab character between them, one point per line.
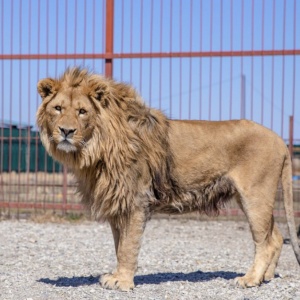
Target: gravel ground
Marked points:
179	259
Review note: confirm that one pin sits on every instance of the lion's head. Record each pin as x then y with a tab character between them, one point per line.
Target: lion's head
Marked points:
81	112
101	129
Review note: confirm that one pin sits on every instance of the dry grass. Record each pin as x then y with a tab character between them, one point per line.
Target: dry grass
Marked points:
53	217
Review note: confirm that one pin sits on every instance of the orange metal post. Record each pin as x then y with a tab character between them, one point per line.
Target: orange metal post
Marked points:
109	40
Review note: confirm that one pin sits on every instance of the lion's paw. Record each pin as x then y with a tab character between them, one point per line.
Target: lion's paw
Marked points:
269	275
246	281
116	282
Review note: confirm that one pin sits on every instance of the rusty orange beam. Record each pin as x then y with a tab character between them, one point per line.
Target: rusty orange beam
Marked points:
109	55
109	38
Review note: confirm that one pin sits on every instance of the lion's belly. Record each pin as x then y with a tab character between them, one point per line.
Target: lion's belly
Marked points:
207	198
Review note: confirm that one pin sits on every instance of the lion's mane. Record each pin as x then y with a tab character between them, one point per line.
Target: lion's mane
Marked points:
129	141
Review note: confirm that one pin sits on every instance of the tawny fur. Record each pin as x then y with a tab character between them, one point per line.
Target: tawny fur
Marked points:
131	161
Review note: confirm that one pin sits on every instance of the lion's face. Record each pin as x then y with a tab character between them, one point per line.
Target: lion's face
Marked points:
70	116
85	118
67	116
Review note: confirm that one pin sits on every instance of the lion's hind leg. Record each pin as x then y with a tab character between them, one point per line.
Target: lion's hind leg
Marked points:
267	240
278	242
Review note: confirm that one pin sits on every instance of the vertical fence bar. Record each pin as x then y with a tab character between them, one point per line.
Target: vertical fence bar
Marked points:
171	47
272	69
65	188
84	35
38	155
291	136
109	39
56	73
190	60
231	49
93	30
294	58
243	96
66	31
47	69
283	71
122	38
160	59
252	60
64	170
243	78
210	60
221	61
141	46
103	35
20	131
2	113
262	63
75	30
131	35
200	71
151	51
56	34
10	106
180	60
28	145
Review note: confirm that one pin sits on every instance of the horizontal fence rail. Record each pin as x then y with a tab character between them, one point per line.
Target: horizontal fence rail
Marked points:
209	60
153	54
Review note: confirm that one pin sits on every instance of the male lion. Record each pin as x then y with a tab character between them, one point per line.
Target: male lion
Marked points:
131	161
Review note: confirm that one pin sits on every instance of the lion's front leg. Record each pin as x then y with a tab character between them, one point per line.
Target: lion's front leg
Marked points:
127	239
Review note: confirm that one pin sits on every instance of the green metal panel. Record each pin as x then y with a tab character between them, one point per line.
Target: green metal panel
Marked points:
24	152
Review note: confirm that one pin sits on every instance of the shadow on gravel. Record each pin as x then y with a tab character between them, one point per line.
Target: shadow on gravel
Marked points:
71	281
191	277
144	279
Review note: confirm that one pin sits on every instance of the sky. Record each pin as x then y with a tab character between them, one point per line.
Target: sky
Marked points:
208	88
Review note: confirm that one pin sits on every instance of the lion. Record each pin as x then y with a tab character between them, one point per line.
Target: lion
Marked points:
131	161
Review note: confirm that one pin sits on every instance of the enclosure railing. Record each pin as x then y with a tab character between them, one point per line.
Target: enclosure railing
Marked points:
211	60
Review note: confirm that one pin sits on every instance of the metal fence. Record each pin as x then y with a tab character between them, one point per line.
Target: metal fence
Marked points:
194	59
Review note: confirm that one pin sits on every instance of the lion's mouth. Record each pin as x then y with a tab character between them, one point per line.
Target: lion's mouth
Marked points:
66	146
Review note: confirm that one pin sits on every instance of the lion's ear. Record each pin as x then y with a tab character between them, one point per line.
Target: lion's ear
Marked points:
47	87
99	92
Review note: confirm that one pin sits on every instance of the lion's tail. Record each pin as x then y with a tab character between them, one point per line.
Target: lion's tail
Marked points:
287	189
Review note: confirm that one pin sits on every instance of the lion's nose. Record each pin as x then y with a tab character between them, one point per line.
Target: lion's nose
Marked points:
67	132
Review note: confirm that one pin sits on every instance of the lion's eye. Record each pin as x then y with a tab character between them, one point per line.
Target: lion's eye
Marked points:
82	111
58	108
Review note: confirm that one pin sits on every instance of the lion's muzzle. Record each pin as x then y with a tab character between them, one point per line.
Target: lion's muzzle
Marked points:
66	143
67	133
